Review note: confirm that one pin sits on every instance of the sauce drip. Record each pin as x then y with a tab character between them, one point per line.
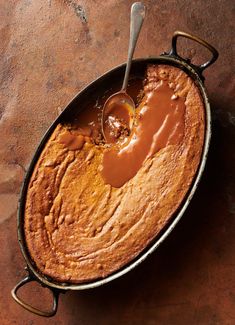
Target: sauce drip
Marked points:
160	122
72	141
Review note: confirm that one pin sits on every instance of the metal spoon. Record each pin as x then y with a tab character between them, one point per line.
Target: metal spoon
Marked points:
120	108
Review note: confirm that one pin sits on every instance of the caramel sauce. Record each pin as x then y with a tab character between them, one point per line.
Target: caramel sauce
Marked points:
160	122
72	141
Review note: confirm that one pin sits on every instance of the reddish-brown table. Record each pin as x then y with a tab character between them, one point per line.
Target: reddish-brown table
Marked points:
49	51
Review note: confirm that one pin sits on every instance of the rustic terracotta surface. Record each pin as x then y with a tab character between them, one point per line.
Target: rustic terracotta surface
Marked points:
49	51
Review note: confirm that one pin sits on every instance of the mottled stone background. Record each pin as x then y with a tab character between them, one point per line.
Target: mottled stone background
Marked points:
50	49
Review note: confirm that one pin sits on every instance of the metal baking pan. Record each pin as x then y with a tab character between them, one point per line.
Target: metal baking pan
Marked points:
100	85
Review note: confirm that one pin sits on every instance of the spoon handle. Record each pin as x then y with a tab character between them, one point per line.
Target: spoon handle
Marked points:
137	18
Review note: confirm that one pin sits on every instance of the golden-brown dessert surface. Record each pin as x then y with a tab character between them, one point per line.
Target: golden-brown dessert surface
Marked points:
77	227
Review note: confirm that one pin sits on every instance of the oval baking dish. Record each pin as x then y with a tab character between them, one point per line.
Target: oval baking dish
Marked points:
138	67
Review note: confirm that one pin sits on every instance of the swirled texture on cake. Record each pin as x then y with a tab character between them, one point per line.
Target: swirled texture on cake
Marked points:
77	226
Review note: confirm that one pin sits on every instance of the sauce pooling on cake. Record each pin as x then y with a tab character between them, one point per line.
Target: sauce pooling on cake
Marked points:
92	207
160	122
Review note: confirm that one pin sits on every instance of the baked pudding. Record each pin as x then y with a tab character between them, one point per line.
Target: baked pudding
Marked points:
92	207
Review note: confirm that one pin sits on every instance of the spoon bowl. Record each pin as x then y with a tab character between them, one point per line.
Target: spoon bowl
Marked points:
118	117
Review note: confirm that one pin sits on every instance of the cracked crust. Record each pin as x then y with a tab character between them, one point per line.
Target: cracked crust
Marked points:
77	228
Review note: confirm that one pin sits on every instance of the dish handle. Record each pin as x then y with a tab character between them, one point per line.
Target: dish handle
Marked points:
30	308
199	68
